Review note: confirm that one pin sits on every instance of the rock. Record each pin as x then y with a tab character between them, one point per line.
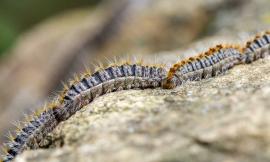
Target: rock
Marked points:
168	25
46	55
220	119
57	48
223	119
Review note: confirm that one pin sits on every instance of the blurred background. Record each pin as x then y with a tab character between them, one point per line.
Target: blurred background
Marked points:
45	42
17	17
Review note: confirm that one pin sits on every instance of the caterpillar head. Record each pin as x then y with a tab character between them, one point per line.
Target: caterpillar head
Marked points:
169	83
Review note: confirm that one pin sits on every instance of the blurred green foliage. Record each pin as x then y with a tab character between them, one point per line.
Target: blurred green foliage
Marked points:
17	16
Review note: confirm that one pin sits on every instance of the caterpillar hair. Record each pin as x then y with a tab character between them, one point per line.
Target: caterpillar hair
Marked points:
257	48
79	93
83	89
211	63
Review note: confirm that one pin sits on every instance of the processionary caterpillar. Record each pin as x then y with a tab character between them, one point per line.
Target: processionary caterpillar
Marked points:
83	90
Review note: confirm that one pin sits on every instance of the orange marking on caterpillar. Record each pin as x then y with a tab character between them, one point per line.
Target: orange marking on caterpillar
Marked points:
84	89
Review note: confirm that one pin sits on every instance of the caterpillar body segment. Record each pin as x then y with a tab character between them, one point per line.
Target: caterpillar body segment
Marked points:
257	48
30	135
114	78
80	93
212	63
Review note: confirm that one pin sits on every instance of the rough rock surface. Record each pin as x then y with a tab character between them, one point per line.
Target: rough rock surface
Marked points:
223	119
46	55
167	25
55	49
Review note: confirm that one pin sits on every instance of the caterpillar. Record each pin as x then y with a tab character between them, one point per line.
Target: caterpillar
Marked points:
84	89
79	93
217	60
257	48
211	63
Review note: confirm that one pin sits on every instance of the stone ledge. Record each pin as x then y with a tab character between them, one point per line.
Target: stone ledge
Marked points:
220	119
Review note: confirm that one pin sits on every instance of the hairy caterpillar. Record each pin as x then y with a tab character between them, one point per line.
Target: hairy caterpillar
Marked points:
209	64
86	88
257	48
78	94
217	61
